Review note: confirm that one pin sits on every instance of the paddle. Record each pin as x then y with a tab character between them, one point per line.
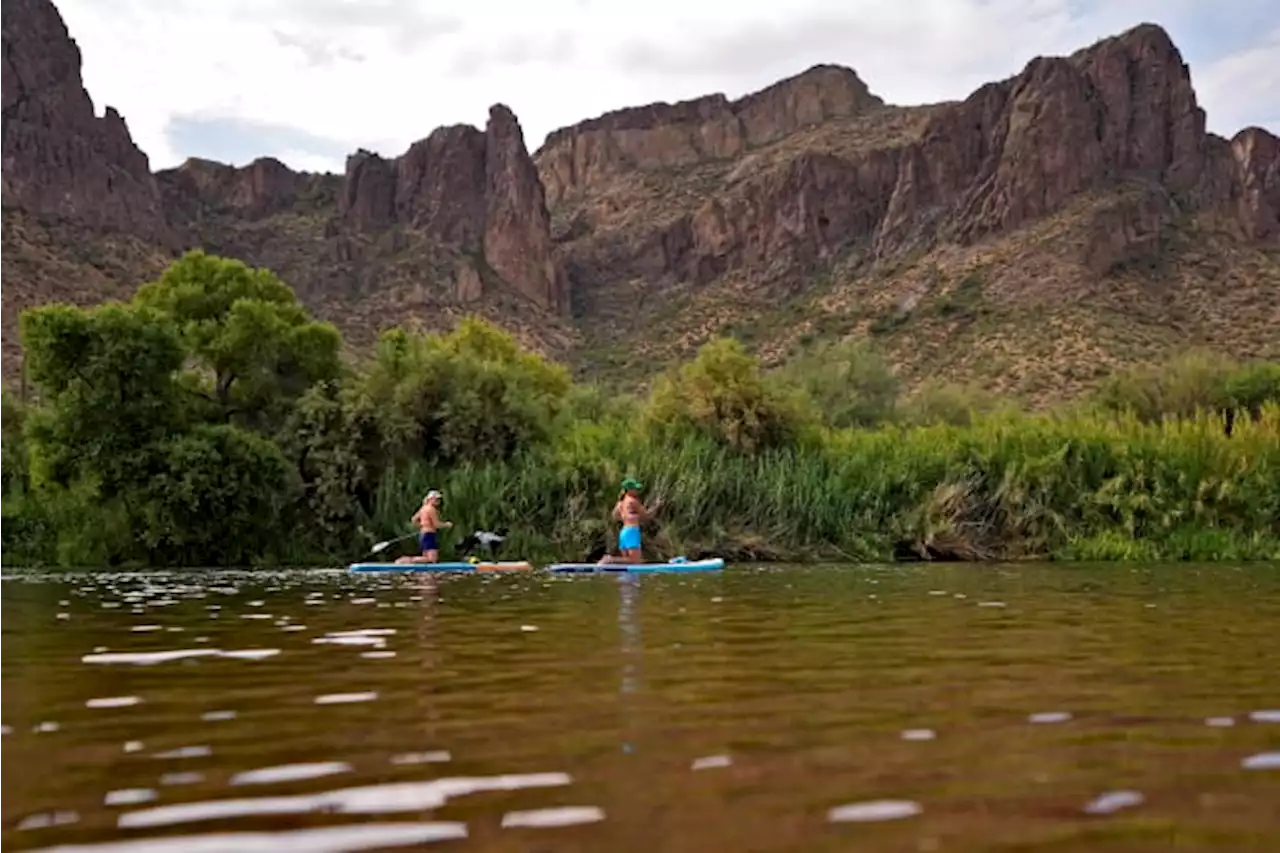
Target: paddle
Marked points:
382	546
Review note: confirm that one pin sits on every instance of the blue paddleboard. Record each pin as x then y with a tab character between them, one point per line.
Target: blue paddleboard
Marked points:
714	564
513	566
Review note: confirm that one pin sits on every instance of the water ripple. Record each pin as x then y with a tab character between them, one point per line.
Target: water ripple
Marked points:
330	839
113	702
371	799
290	772
152	658
345	698
1113	801
873	810
558	816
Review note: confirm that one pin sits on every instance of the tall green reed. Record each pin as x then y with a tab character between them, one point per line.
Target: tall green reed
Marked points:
1007	486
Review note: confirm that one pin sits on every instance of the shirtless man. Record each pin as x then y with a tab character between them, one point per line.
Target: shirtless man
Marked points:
428	520
632	513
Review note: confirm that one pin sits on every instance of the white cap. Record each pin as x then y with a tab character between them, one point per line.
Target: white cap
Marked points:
434	494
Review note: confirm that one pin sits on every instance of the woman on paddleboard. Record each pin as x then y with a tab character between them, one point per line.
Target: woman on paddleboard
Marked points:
632	513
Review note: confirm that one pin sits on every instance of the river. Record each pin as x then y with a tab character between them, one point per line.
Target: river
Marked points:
933	708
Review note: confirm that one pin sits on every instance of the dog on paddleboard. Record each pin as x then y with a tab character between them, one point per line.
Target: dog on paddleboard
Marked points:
488	541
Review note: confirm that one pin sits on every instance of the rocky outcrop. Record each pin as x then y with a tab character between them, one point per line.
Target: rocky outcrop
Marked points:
711	127
476	190
1120	115
61	161
1018	150
812	207
368	199
1129	233
1255	198
438	186
199	188
517	235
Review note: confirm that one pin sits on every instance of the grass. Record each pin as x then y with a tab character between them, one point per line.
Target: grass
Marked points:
1009	486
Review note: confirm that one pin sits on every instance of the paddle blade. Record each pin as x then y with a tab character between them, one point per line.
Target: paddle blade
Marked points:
381	546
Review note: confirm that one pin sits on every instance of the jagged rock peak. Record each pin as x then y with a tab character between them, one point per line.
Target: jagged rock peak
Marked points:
60	159
1144	37
517	239
473	189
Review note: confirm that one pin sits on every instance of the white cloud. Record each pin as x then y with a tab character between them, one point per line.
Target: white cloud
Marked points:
380	74
1244	88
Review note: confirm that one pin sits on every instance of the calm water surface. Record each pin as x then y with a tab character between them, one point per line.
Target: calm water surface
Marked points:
800	709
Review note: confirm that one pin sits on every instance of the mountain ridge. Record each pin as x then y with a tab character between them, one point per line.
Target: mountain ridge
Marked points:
795	210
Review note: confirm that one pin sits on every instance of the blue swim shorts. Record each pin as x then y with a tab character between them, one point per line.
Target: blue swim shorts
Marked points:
629	538
427	541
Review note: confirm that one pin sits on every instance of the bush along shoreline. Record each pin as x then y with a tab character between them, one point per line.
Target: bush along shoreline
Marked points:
211	421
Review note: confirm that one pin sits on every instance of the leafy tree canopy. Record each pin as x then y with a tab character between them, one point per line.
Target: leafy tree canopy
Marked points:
253	348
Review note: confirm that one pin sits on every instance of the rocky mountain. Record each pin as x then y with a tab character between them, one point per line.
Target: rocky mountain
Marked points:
1050	227
1082	199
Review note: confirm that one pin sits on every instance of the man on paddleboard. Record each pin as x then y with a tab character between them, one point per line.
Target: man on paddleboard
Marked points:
428	520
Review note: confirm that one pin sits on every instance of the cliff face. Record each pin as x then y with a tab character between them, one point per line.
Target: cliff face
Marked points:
1253	192
712	127
60	159
468	188
264	188
1012	153
808	209
849	216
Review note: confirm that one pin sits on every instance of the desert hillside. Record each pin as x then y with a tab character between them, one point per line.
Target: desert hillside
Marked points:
1033	237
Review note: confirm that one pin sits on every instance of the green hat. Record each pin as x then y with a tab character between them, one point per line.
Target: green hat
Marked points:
631	483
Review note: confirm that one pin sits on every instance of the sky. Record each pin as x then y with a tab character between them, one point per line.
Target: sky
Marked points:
310	81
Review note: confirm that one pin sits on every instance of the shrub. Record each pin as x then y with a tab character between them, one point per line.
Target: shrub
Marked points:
470	394
850	383
722	395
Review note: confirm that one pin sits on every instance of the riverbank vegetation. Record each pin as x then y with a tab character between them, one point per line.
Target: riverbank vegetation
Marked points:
212	421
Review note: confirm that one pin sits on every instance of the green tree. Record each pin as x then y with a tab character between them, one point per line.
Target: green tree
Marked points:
472	394
1253	386
252	347
333	436
937	402
26	529
120	465
106	383
1195	380
849	382
216	497
13	446
722	395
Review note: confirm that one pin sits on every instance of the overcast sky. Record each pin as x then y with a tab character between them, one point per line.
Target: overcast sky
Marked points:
309	81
